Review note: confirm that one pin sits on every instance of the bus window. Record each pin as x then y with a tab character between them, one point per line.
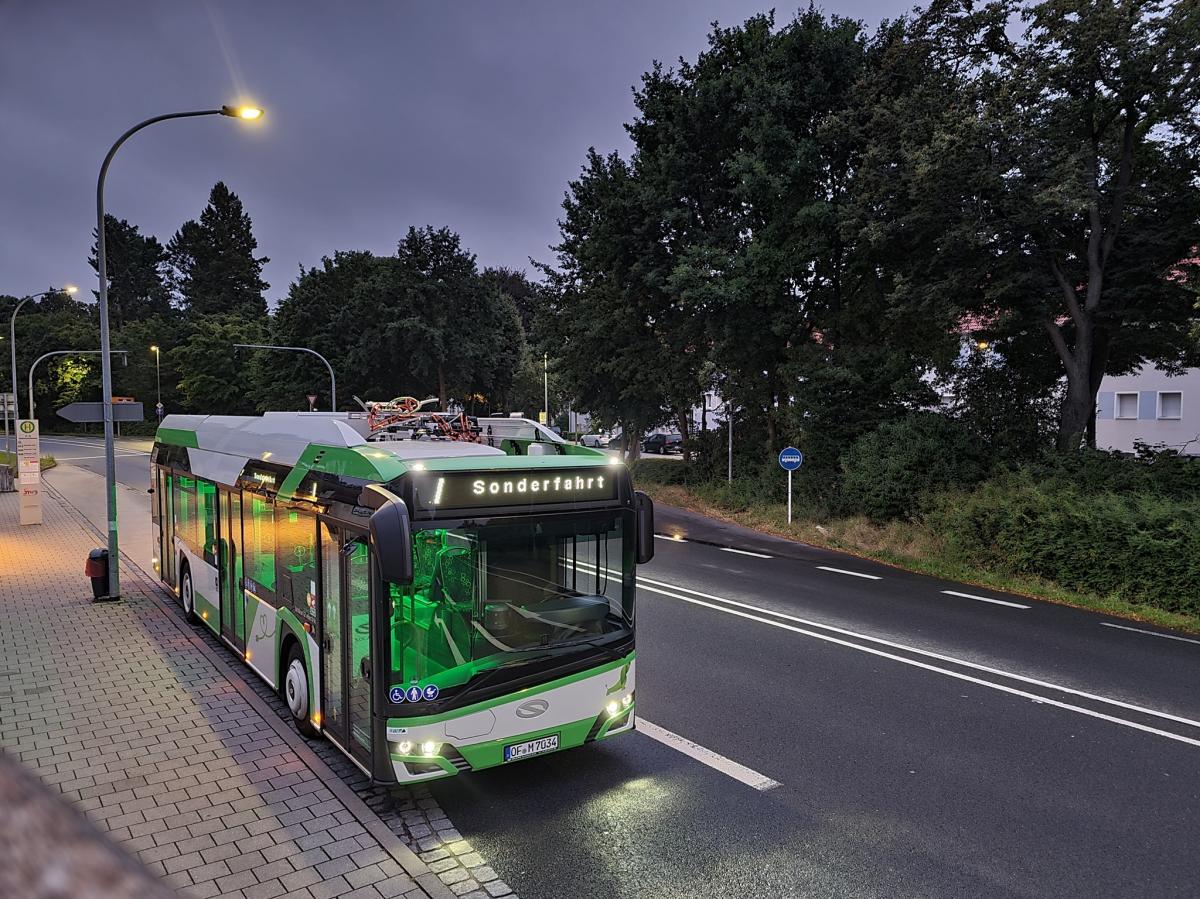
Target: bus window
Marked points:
206	519
258	544
185	509
296	535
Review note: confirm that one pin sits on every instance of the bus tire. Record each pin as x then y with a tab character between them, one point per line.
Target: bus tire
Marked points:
295	691
187	593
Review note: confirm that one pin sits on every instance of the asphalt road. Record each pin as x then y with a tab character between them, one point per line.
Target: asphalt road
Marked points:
958	758
132	456
924	744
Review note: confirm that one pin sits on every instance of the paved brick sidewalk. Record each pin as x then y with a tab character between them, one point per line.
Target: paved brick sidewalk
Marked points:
124	711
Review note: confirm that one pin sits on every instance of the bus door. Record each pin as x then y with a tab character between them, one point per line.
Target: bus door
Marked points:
233	604
346	639
165	499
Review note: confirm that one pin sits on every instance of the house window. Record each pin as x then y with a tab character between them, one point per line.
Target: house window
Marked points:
1170	404
1127	405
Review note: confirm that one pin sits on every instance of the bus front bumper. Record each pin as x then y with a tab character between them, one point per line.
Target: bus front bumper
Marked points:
581	711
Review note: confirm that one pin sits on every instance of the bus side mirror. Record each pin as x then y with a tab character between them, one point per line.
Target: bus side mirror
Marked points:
391	536
645	527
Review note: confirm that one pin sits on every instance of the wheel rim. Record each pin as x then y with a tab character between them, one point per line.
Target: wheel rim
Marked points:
295	689
187	593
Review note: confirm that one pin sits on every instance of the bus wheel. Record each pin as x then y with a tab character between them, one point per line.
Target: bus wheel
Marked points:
295	691
187	593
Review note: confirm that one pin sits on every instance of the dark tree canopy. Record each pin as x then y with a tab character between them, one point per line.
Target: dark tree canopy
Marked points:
136	268
214	269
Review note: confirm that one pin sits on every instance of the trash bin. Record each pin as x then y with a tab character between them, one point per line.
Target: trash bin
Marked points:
96	568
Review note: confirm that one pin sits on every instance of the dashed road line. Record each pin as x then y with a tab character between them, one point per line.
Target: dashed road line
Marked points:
744	552
999	602
870	577
1138	630
702	754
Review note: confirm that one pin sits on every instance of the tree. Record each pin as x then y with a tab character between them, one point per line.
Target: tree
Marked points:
214	378
750	182
1056	189
466	334
213	266
421	322
523	292
605	313
135	265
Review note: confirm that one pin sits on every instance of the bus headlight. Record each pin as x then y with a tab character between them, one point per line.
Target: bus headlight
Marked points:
405	747
429	748
612	708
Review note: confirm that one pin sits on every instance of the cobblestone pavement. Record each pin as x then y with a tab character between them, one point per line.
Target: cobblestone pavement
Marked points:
158	742
409	812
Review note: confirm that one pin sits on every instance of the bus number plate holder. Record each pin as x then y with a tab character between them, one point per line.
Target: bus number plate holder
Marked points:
517	751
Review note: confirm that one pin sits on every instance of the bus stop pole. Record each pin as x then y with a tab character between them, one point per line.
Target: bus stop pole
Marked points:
789	496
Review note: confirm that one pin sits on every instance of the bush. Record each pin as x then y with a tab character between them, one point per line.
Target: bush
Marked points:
889	472
1140	547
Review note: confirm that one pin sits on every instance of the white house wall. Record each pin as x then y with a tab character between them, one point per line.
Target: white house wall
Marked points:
1148	427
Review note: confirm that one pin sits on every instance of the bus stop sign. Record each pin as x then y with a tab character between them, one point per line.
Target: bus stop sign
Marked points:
790	459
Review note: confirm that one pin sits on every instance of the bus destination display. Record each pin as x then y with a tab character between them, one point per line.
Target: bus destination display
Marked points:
475	490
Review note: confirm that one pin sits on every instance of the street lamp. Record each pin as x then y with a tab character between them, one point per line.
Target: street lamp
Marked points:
300	349
38	361
546	388
12	342
110	461
158	381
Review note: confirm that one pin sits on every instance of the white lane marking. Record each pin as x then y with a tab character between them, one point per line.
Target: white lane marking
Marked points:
743	552
871	577
133	452
714	760
999	672
670	537
954	674
81	458
999	602
1138	630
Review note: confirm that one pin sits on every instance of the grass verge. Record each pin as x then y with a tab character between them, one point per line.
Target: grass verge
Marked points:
47	462
910	546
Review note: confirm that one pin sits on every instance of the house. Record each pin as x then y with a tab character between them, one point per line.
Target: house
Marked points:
1152	407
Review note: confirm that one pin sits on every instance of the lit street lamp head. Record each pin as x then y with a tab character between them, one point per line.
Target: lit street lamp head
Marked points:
70	288
242	112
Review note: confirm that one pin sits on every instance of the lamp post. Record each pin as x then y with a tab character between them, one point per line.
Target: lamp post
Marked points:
12	344
157	382
546	387
248	113
39	359
300	349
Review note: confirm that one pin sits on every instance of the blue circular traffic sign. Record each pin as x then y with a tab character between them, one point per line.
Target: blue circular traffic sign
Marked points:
396	694
790	458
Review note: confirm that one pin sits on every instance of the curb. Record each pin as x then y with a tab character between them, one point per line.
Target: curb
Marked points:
388	841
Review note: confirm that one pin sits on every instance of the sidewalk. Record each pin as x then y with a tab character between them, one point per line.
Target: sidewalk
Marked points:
130	716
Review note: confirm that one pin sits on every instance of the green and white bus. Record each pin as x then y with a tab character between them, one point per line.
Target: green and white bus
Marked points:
430	606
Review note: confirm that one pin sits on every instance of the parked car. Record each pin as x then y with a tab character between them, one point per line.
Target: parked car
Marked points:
663	443
596	441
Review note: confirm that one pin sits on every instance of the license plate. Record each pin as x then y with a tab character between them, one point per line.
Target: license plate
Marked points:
516	751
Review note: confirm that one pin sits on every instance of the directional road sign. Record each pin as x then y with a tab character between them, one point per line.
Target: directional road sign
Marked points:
87	412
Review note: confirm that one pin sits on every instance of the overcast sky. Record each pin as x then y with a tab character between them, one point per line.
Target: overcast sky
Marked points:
380	115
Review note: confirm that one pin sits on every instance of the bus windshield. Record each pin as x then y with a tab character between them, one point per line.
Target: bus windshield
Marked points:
505	593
